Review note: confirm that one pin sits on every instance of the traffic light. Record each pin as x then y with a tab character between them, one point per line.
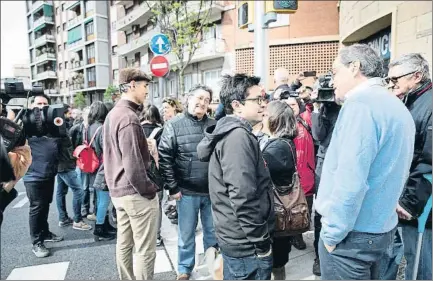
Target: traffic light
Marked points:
245	13
281	7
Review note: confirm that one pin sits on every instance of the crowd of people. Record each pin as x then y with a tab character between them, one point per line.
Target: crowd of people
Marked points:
362	160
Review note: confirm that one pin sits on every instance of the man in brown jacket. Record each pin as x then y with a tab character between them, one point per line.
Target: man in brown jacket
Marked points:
126	158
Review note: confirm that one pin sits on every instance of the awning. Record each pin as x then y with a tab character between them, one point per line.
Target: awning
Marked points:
40	27
48	10
88	20
73	5
74	34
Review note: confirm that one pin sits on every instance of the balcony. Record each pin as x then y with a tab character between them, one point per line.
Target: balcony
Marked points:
49	92
138	43
140	15
209	49
38	4
49	74
71	4
44	57
43	20
44	39
75	21
75	45
77	64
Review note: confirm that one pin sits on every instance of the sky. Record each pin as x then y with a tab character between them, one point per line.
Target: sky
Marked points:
14	41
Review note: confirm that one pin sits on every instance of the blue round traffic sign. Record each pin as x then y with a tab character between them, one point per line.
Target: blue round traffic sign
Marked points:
159	44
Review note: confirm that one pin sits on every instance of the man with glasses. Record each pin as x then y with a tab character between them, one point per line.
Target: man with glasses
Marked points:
126	159
241	193
409	79
186	177
365	169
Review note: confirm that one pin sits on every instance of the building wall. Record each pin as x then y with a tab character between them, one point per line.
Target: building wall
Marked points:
410	21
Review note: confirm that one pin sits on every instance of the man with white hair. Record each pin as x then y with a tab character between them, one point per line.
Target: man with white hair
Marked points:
281	80
365	169
409	79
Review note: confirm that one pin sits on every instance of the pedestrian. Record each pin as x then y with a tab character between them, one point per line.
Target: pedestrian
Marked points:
365	168
241	189
126	159
186	177
409	78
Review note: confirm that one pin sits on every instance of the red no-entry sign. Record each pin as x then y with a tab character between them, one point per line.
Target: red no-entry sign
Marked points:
159	66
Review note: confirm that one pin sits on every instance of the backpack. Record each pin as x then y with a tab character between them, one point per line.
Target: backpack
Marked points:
153	171
292	216
87	160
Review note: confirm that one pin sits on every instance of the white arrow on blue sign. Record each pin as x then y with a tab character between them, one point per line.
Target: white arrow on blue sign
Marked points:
159	44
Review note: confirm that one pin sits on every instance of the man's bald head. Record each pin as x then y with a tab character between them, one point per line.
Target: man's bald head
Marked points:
281	76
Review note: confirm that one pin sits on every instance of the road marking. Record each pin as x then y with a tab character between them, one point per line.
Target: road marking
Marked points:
21	203
51	271
312	277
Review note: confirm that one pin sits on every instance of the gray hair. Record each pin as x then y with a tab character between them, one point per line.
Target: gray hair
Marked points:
413	62
371	65
200	87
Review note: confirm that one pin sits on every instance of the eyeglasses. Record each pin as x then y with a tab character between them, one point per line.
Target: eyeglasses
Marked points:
206	100
394	80
259	100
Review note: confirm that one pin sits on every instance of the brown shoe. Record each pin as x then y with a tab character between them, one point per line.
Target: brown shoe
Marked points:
183	276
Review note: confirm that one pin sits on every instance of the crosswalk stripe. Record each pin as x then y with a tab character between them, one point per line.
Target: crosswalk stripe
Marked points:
51	271
21	203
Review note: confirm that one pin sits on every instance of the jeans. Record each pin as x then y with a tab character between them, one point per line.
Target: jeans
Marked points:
392	259
358	256
102	201
188	208
86	183
410	238
247	268
40	194
65	179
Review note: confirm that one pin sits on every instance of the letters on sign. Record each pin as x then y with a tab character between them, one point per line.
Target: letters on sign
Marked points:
380	42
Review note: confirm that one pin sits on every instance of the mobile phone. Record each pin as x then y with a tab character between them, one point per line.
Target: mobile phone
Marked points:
309	73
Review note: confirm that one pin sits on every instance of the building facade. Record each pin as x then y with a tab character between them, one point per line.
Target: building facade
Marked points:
393	28
70	50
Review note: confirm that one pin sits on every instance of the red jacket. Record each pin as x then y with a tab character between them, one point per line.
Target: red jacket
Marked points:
305	154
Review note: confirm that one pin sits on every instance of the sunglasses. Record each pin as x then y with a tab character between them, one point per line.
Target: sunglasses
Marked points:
394	80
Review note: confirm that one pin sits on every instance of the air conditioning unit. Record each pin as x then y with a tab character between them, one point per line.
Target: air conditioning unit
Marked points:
135	27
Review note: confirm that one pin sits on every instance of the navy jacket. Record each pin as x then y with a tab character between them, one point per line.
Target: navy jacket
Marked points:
45	153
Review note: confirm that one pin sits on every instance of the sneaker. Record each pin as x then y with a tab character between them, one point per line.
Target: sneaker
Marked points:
159	241
316	267
40	250
81	226
51	237
65	222
91	217
183	276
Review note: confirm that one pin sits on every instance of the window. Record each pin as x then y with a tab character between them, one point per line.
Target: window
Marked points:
91	77
89	6
212	80
89	30
187	82
57	11
155	90
128	37
64	46
114	50
64	26
58	29
67	83
210	33
113	25
90	49
116	76
61	84
171	87
66	65
59	48
60	66
63	7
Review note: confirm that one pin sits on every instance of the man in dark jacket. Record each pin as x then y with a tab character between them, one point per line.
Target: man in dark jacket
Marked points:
409	78
67	176
241	193
281	80
39	183
186	177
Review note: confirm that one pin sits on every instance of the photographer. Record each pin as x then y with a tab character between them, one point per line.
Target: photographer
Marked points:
323	118
281	80
39	183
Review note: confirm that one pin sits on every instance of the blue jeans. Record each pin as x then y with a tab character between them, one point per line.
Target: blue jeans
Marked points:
247	268
86	183
392	259
65	179
188	208
358	256
410	238
102	201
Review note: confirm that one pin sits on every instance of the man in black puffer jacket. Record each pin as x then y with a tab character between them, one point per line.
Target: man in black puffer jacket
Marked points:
186	177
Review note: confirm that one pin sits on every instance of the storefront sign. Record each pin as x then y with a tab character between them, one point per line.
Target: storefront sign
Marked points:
380	42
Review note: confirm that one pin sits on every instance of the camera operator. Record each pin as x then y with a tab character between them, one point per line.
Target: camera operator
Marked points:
281	80
323	118
39	183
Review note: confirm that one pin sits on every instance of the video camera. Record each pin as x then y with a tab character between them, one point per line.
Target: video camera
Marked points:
325	92
48	121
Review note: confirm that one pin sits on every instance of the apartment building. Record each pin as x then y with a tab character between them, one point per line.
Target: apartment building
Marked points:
69	43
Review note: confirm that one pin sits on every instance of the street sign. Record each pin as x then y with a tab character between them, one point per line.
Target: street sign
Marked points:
159	44
159	66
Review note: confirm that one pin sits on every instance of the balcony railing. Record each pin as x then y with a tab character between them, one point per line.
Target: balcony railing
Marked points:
43	39
75	21
37	4
76	44
45	75
77	64
130	18
50	92
137	43
42	20
70	4
209	49
74	87
45	57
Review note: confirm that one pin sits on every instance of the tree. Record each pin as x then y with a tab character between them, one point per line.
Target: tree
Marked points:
109	92
79	100
184	22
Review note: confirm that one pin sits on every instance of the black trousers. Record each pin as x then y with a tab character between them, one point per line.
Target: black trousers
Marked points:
40	194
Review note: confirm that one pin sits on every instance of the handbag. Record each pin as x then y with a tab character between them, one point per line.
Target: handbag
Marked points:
292	216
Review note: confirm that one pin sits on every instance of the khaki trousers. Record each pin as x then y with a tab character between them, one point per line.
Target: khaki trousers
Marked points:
136	227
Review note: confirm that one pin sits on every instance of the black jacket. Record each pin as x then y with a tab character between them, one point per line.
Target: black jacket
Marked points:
66	161
418	189
76	134
45	159
323	125
7	172
241	193
178	161
280	160
148	129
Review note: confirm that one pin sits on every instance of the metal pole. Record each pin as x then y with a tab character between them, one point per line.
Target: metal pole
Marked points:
260	43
